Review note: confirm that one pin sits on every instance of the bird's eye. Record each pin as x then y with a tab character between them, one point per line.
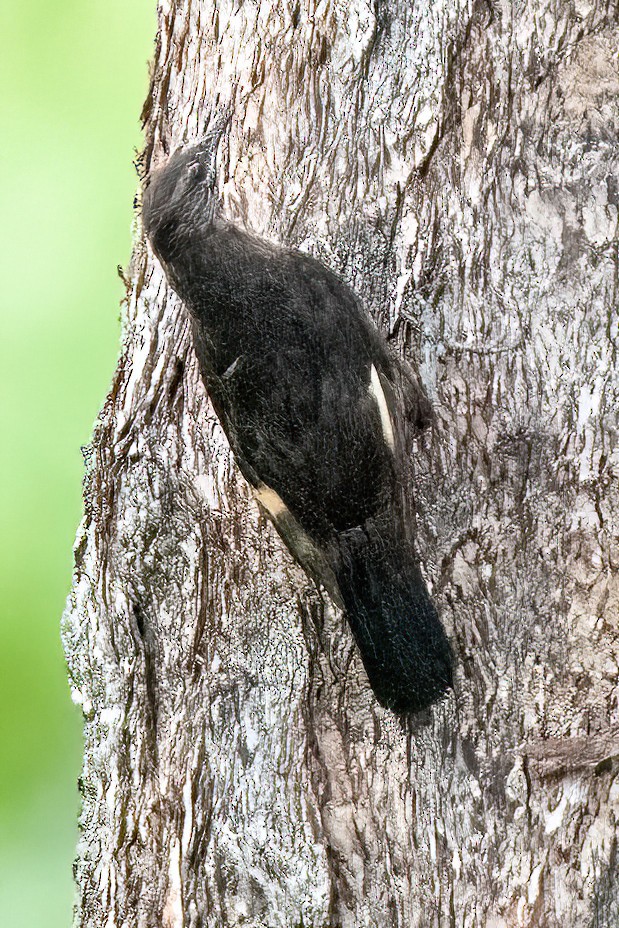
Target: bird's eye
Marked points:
194	170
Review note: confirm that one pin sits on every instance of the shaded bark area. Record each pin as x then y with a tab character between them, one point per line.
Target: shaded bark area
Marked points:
456	164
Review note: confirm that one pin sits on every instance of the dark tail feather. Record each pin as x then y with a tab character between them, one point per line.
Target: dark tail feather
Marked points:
403	645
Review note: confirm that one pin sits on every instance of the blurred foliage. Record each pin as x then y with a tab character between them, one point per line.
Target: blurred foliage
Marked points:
73	76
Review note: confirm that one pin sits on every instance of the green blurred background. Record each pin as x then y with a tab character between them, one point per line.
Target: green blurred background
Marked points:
73	75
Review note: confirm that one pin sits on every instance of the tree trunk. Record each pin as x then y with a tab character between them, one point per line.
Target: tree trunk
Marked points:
457	164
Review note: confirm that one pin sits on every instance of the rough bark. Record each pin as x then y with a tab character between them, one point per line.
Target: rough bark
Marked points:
457	163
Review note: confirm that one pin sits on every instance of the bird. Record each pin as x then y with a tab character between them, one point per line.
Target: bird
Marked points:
316	408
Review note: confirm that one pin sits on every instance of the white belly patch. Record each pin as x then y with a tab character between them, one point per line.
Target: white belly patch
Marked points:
268	498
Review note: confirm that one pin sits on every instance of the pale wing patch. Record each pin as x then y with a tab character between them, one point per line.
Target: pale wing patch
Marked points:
229	371
268	498
377	392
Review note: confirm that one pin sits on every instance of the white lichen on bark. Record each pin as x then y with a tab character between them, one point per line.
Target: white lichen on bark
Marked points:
457	163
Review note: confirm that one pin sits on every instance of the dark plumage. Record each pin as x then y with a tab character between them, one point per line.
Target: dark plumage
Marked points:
314	407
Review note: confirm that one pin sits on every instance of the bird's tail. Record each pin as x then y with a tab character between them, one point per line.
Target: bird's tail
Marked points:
404	648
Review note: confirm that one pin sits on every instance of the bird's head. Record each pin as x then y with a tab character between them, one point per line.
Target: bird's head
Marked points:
182	193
